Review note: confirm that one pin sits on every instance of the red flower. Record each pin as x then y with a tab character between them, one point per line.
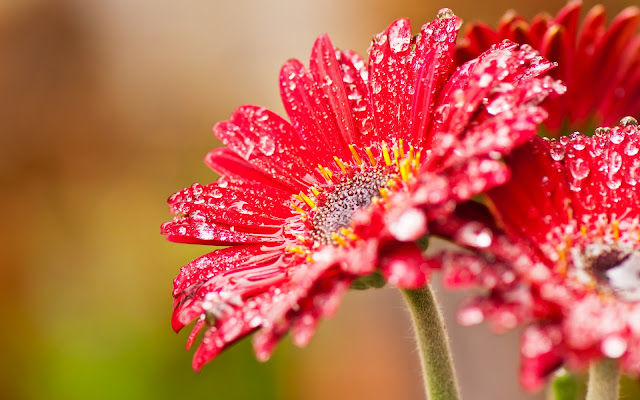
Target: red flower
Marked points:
568	266
344	189
600	65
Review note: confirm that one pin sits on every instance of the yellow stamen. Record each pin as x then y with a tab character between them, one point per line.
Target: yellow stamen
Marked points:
411	153
396	157
315	191
401	148
385	194
562	258
338	239
391	183
616	230
298	209
372	160
416	162
301	239
385	154
325	172
569	209
355	155
307	200
583	231
348	233
296	249
310	259
404	170
340	164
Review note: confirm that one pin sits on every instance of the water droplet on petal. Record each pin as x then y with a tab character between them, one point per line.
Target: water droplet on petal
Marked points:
615	162
616	137
376	87
267	146
445	13
626	121
579	168
557	151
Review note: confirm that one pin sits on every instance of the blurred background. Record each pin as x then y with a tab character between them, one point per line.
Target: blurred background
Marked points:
105	110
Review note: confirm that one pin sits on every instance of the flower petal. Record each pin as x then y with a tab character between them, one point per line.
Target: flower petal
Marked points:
325	69
310	114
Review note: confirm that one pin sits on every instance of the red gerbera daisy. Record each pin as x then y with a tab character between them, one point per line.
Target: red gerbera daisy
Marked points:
568	265
342	191
600	65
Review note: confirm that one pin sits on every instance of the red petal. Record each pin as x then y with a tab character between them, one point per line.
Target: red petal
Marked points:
355	74
270	144
198	229
433	62
238	203
229	164
325	69
541	355
310	114
389	65
403	266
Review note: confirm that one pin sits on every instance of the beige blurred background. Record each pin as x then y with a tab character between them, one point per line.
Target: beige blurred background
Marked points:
106	109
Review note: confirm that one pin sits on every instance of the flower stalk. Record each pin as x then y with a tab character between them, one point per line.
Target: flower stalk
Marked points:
604	380
435	353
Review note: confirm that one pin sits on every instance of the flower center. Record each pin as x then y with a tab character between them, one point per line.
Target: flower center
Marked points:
616	270
347	197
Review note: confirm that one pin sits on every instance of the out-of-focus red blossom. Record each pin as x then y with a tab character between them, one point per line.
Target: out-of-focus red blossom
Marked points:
566	261
372	151
600	65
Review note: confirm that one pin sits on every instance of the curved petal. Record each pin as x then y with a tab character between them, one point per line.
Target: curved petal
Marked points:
433	63
270	143
310	114
228	164
391	90
238	203
325	69
355	76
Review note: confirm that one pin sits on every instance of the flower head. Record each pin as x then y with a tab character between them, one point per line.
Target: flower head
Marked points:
567	262
342	191
600	65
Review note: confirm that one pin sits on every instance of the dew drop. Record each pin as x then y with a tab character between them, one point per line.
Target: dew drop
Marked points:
631	149
615	162
267	146
627	121
616	137
376	87
215	193
557	151
445	13
579	168
397	41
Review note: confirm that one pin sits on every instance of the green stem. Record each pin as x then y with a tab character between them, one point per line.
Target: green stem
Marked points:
604	381
435	355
